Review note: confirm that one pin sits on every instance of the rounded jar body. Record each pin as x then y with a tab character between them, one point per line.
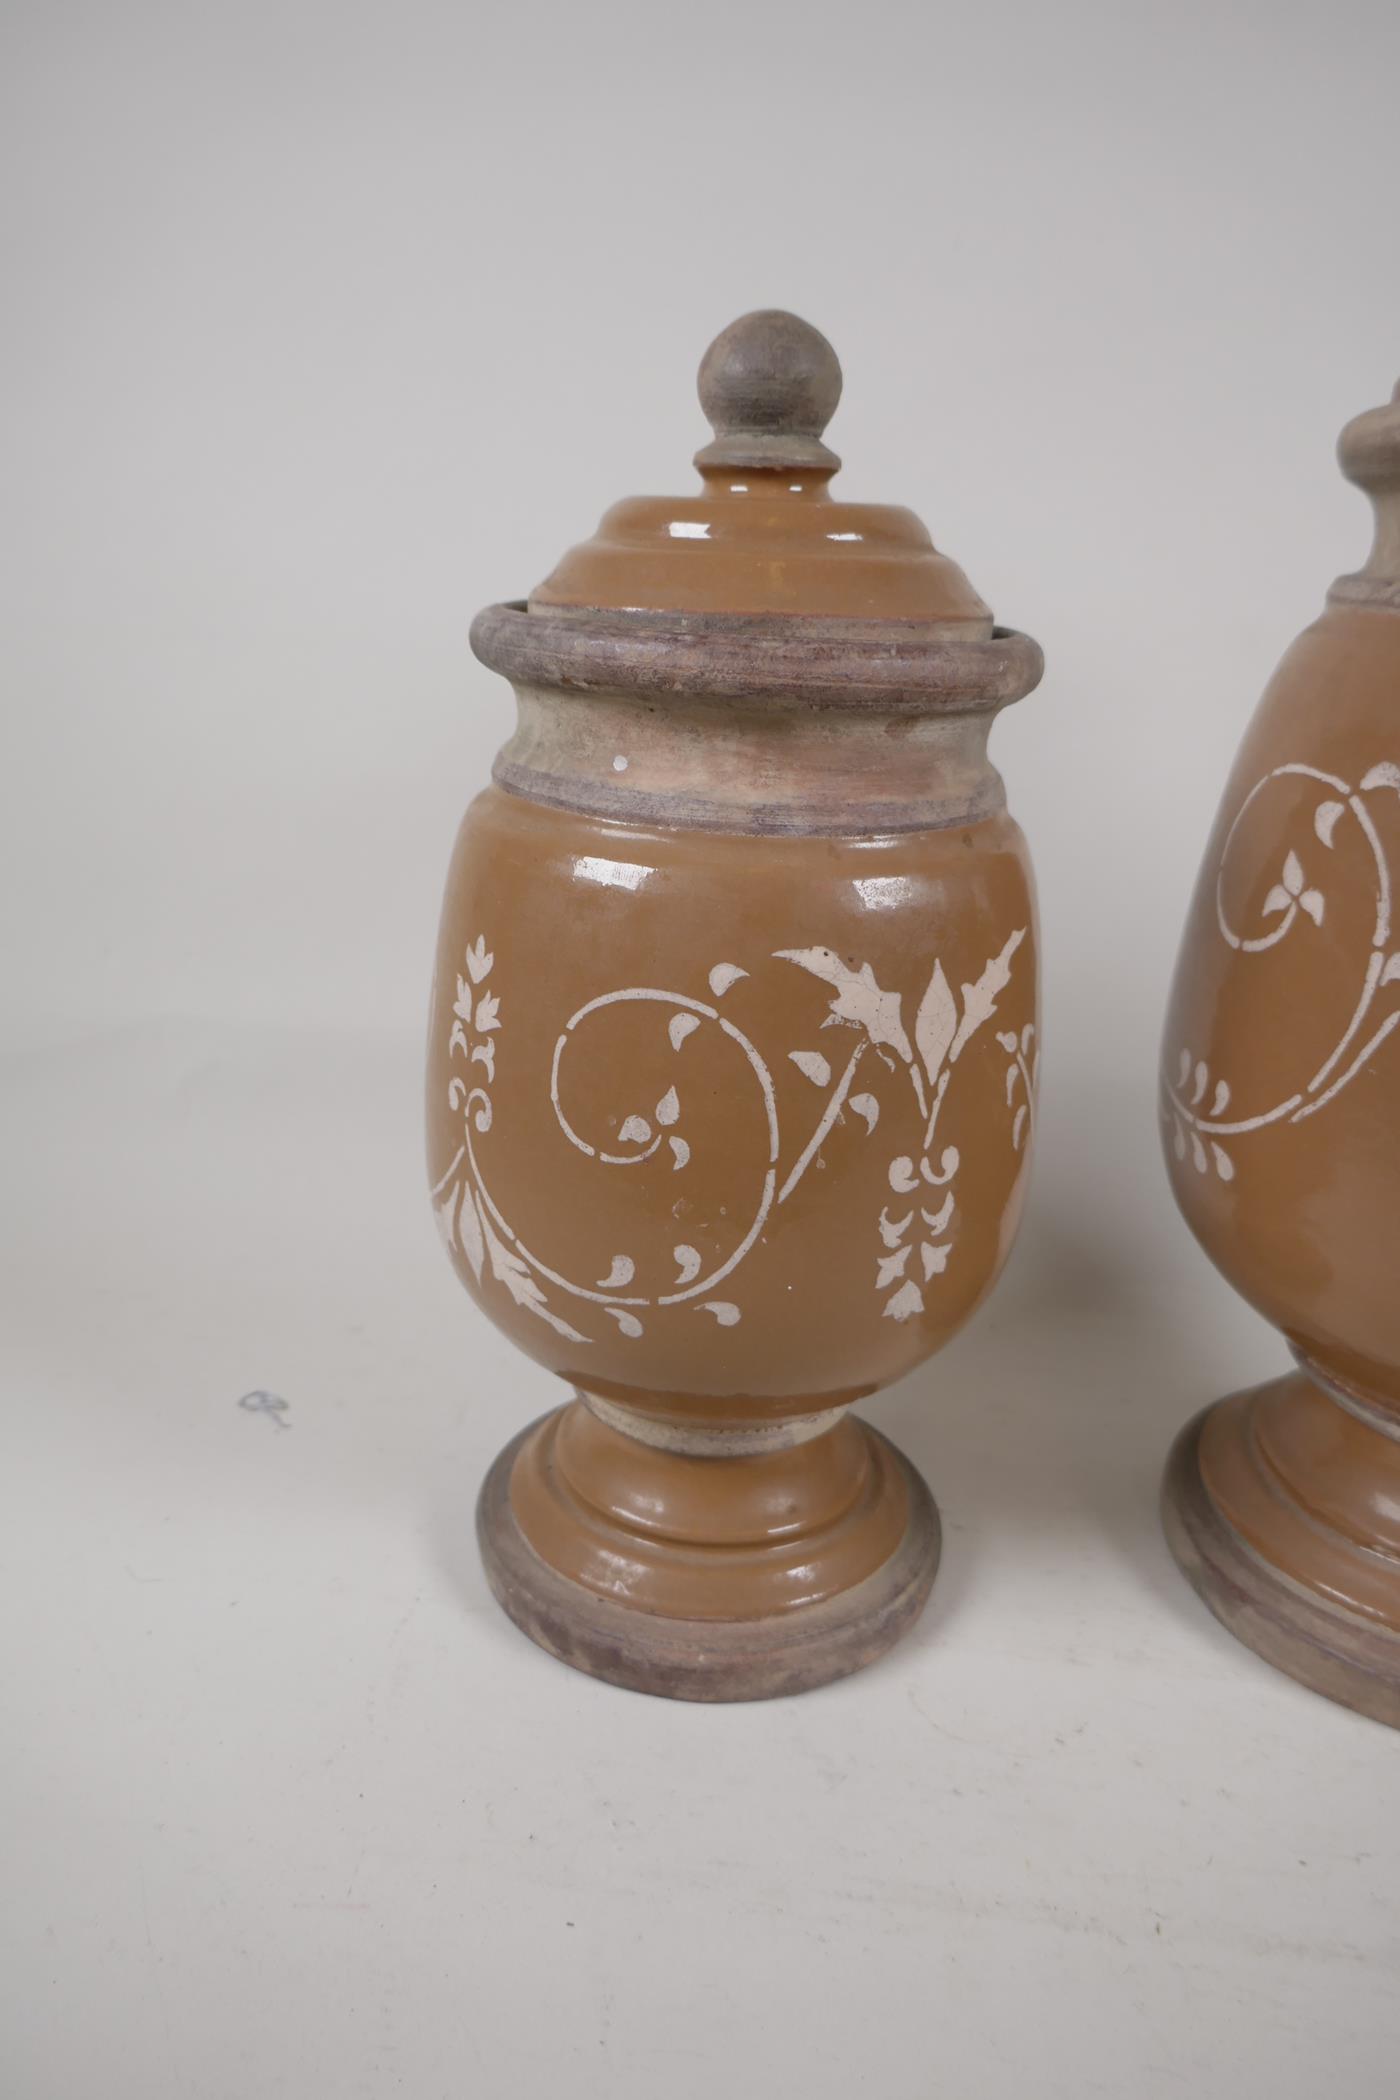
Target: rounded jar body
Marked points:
1281	1071
1281	1111
730	1126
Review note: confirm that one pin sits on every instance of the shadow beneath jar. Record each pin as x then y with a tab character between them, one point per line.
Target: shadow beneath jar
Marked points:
1044	1428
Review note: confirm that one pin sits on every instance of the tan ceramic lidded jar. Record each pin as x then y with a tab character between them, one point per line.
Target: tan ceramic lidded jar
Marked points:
732	1063
1281	1108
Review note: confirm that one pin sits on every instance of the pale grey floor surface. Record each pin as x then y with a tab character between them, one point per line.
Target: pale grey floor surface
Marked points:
293	1811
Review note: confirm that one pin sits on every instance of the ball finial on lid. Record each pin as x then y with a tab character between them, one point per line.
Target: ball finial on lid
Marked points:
1369	451
769	385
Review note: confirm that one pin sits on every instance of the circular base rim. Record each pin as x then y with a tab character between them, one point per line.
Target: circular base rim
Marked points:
702	1659
1331	1651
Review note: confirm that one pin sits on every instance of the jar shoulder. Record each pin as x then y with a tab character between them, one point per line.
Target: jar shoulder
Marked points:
536	842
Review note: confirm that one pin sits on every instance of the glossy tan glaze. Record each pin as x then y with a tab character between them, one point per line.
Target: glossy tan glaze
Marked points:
1281	1106
732	1064
702	1106
763	542
786	1529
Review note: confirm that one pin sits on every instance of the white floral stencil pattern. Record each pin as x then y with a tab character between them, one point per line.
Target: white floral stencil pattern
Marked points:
1197	1105
913	1249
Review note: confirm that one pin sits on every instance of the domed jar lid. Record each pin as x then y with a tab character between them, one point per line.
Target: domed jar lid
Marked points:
762	582
764	535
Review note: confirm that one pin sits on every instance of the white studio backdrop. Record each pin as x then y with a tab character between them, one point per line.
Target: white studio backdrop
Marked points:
327	324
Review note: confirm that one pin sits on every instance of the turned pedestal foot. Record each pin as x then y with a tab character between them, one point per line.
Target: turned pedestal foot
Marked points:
707	1564
1282	1505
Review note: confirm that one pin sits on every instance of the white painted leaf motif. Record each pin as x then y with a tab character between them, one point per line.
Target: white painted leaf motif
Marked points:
936	1022
1183	1070
1179	1140
1224	1165
1013	1073
1313	903
980	999
1391	973
1325	818
889	1267
1385	775
509	1269
1199	1088
442	1214
1007	1038
907	1301
948	1167
859	998
1018	1127
723	975
1292	873
1222	1099
457	1040
469	1234
1198	1153
1277	900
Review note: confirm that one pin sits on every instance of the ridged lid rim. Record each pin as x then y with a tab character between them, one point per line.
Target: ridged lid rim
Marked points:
914	666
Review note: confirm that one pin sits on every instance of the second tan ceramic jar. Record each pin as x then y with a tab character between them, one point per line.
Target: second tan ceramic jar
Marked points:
1281	1108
